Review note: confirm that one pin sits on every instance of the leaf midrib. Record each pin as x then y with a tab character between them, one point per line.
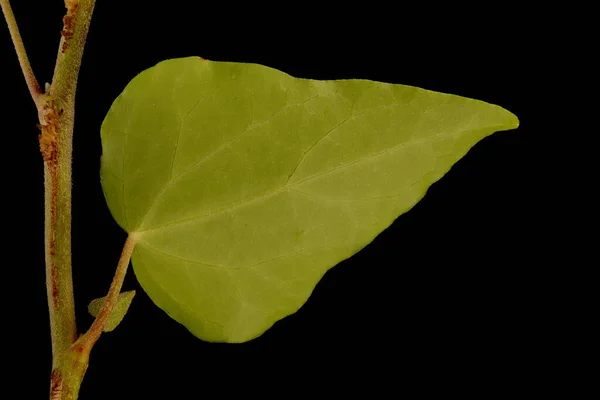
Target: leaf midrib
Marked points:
285	186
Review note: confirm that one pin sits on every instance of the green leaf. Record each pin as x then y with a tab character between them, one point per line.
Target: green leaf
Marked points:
244	185
120	309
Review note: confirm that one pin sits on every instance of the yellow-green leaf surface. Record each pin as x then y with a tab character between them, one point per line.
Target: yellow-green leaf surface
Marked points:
244	185
120	309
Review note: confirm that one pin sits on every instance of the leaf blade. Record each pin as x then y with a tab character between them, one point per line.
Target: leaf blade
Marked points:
268	181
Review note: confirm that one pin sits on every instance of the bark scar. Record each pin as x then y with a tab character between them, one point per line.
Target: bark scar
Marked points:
49	119
49	136
54	283
68	23
56	385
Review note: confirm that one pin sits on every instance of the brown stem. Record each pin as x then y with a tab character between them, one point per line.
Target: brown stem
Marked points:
32	83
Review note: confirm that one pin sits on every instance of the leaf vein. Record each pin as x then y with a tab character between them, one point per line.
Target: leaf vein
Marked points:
183	305
181	123
207	265
219	149
320	140
287	186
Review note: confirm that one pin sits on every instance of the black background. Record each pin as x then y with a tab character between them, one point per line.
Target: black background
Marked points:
446	300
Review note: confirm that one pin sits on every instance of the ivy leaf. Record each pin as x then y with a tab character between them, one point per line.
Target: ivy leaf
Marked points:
120	309
244	185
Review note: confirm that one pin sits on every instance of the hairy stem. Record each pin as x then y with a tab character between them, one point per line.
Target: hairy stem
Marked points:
32	83
57	120
76	24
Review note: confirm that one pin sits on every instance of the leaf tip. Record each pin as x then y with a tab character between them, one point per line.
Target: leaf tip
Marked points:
513	121
503	119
